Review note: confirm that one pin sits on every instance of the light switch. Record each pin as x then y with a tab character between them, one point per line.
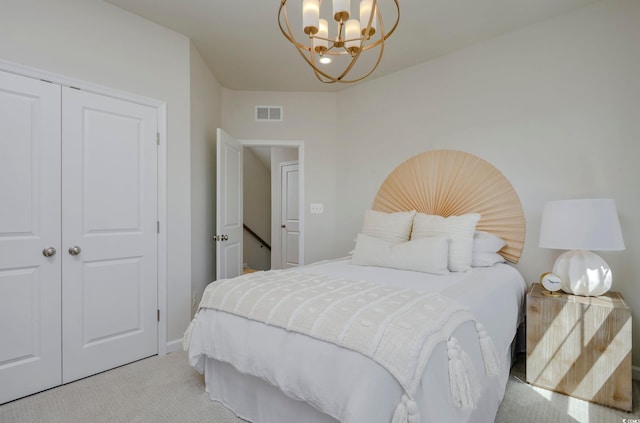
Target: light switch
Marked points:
316	208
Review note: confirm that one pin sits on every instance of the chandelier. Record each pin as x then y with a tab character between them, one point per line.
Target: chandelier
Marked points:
352	38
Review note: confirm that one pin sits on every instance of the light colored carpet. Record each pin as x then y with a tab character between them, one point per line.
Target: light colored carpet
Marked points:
154	390
166	389
524	403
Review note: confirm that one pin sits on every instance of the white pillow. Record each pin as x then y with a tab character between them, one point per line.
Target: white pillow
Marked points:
393	227
427	255
484	259
460	231
485	242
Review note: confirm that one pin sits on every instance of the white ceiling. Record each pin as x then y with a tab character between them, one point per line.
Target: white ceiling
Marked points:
241	42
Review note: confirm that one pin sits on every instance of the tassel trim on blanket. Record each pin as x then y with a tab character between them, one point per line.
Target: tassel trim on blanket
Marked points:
363	317
463	381
491	363
407	411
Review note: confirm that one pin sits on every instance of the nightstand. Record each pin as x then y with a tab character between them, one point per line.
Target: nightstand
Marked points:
580	346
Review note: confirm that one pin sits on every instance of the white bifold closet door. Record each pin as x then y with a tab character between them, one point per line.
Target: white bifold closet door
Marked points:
30	207
78	175
109	212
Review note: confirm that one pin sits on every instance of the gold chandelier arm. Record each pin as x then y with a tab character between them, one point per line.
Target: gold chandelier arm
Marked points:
353	61
395	25
388	34
380	43
288	35
374	43
300	47
324	77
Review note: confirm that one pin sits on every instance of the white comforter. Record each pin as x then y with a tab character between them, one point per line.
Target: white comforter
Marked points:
348	386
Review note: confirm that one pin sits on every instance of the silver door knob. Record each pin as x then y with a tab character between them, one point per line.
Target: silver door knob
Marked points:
225	237
49	252
75	250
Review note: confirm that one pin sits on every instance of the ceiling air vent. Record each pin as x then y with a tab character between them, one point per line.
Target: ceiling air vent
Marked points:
269	113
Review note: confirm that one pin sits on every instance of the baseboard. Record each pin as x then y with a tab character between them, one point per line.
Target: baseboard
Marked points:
176	345
635	372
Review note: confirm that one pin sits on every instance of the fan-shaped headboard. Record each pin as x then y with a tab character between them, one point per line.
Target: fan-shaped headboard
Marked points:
453	183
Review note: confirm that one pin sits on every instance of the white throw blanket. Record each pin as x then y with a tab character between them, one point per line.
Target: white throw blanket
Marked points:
397	328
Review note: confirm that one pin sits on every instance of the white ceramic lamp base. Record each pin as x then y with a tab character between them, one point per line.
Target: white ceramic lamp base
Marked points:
583	273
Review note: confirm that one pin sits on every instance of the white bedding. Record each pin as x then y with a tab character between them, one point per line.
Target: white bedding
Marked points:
249	366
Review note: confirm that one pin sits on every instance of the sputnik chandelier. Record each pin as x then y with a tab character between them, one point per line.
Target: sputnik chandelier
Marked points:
353	37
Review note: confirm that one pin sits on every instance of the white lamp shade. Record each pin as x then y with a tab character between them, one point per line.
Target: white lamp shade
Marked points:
323	32
310	13
581	225
366	9
588	224
340	6
352	32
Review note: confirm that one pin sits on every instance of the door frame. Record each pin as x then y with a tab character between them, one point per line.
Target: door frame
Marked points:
301	163
161	107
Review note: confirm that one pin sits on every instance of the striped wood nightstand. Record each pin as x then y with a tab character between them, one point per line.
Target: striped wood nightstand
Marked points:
580	346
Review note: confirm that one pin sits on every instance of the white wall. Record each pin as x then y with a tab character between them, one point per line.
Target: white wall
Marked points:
205	118
99	43
308	117
256	210
554	106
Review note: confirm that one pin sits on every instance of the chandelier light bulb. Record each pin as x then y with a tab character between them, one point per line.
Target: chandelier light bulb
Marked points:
352	36
341	10
322	38
366	9
310	16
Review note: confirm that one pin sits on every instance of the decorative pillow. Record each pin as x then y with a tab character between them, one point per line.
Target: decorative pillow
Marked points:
393	227
427	255
484	259
459	230
485	242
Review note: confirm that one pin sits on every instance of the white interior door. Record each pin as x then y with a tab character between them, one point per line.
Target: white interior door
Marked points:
229	215
290	226
109	183
30	330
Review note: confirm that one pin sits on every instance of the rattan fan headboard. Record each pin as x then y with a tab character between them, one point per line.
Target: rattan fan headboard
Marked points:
452	183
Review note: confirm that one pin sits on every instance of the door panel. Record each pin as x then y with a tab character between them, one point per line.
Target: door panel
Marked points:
113	169
101	278
30	328
109	182
229	206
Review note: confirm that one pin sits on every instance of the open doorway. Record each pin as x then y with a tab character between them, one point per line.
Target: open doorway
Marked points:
273	205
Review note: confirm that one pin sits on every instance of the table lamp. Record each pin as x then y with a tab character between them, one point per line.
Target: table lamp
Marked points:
580	226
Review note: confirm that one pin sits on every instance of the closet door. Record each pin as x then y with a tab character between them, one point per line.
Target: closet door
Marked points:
30	329
109	241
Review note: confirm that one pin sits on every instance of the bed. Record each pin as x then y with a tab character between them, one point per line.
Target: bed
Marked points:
413	329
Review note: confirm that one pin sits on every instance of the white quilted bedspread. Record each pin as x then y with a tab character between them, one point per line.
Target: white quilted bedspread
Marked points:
397	328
